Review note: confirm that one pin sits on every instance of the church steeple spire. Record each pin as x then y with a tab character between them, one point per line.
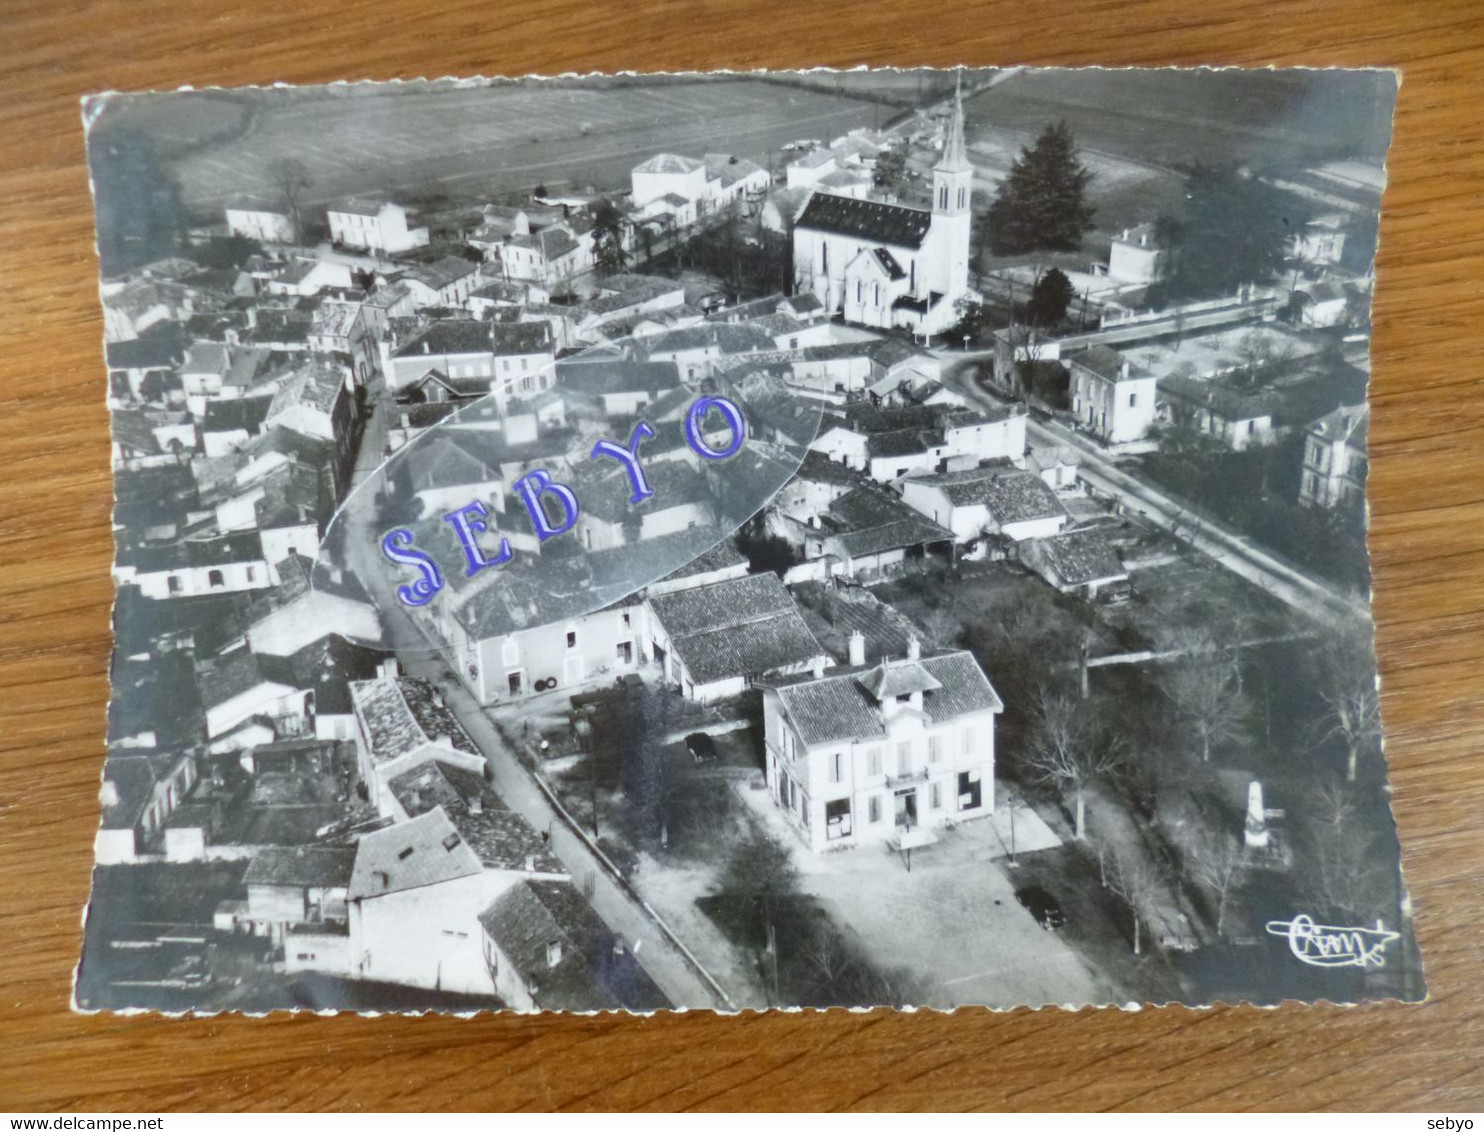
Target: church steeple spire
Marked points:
954	159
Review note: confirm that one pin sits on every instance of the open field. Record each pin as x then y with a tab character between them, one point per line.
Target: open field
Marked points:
1176	117
488	140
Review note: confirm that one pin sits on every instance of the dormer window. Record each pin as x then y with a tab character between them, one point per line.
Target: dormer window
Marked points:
905	698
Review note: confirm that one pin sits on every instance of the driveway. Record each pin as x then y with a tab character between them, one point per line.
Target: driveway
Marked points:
953	921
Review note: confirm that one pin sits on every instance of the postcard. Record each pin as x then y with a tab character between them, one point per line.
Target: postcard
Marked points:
882	538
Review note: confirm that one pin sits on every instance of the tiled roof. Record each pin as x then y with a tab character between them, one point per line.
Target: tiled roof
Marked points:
242	414
1108	363
239	672
726	337
131	780
599	375
421	851
242	546
738	627
359	206
1079	557
888	263
315	384
400	715
538	921
839	706
501	838
668	163
1011	495
301	866
898	678
442	271
1348	423
870	520
895	225
469	336
156	349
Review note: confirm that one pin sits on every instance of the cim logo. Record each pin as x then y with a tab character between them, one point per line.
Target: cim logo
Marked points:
1325	945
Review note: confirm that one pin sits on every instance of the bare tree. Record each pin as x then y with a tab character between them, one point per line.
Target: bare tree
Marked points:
1066	748
1347	684
1344	862
290	178
1137	880
1221	866
1204	686
941	628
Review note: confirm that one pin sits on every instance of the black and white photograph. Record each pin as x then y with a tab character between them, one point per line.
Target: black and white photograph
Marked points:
735	541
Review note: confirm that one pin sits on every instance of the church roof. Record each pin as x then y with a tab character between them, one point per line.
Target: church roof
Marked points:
895	225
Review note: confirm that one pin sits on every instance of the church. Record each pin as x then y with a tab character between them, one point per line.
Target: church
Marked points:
892	265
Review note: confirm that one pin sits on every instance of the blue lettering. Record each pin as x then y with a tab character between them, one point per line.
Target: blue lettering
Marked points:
396	545
531	486
699	410
468	522
629	458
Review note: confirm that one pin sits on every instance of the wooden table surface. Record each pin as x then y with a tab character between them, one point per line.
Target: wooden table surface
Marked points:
1427	541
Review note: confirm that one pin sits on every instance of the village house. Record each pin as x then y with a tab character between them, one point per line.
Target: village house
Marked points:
512	359
892	265
712	641
373	225
1321	241
618	387
297	898
546	949
871	535
220	564
243	687
550	257
976	502
1111	395
259	220
888	444
155	355
699	351
446	282
881	753
308	276
682	500
1323	303
1078	562
351	331
296	613
400	722
139	792
1334	460
1136	256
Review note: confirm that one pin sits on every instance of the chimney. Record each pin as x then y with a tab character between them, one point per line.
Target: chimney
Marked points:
416	798
818	667
553	953
425	347
389	669
476	804
1143	239
857	649
914	648
1125	234
437	697
530	862
1123	369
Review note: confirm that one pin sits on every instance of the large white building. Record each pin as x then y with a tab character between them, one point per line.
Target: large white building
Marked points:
866	754
887	265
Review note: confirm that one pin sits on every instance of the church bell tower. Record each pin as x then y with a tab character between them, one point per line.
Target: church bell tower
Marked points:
953	218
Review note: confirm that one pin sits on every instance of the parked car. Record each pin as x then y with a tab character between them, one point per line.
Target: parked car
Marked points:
701	746
1042	905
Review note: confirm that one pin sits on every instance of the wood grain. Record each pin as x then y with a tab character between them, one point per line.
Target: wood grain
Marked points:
1428	533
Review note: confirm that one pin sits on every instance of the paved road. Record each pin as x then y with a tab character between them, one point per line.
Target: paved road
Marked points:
1235	552
664	962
